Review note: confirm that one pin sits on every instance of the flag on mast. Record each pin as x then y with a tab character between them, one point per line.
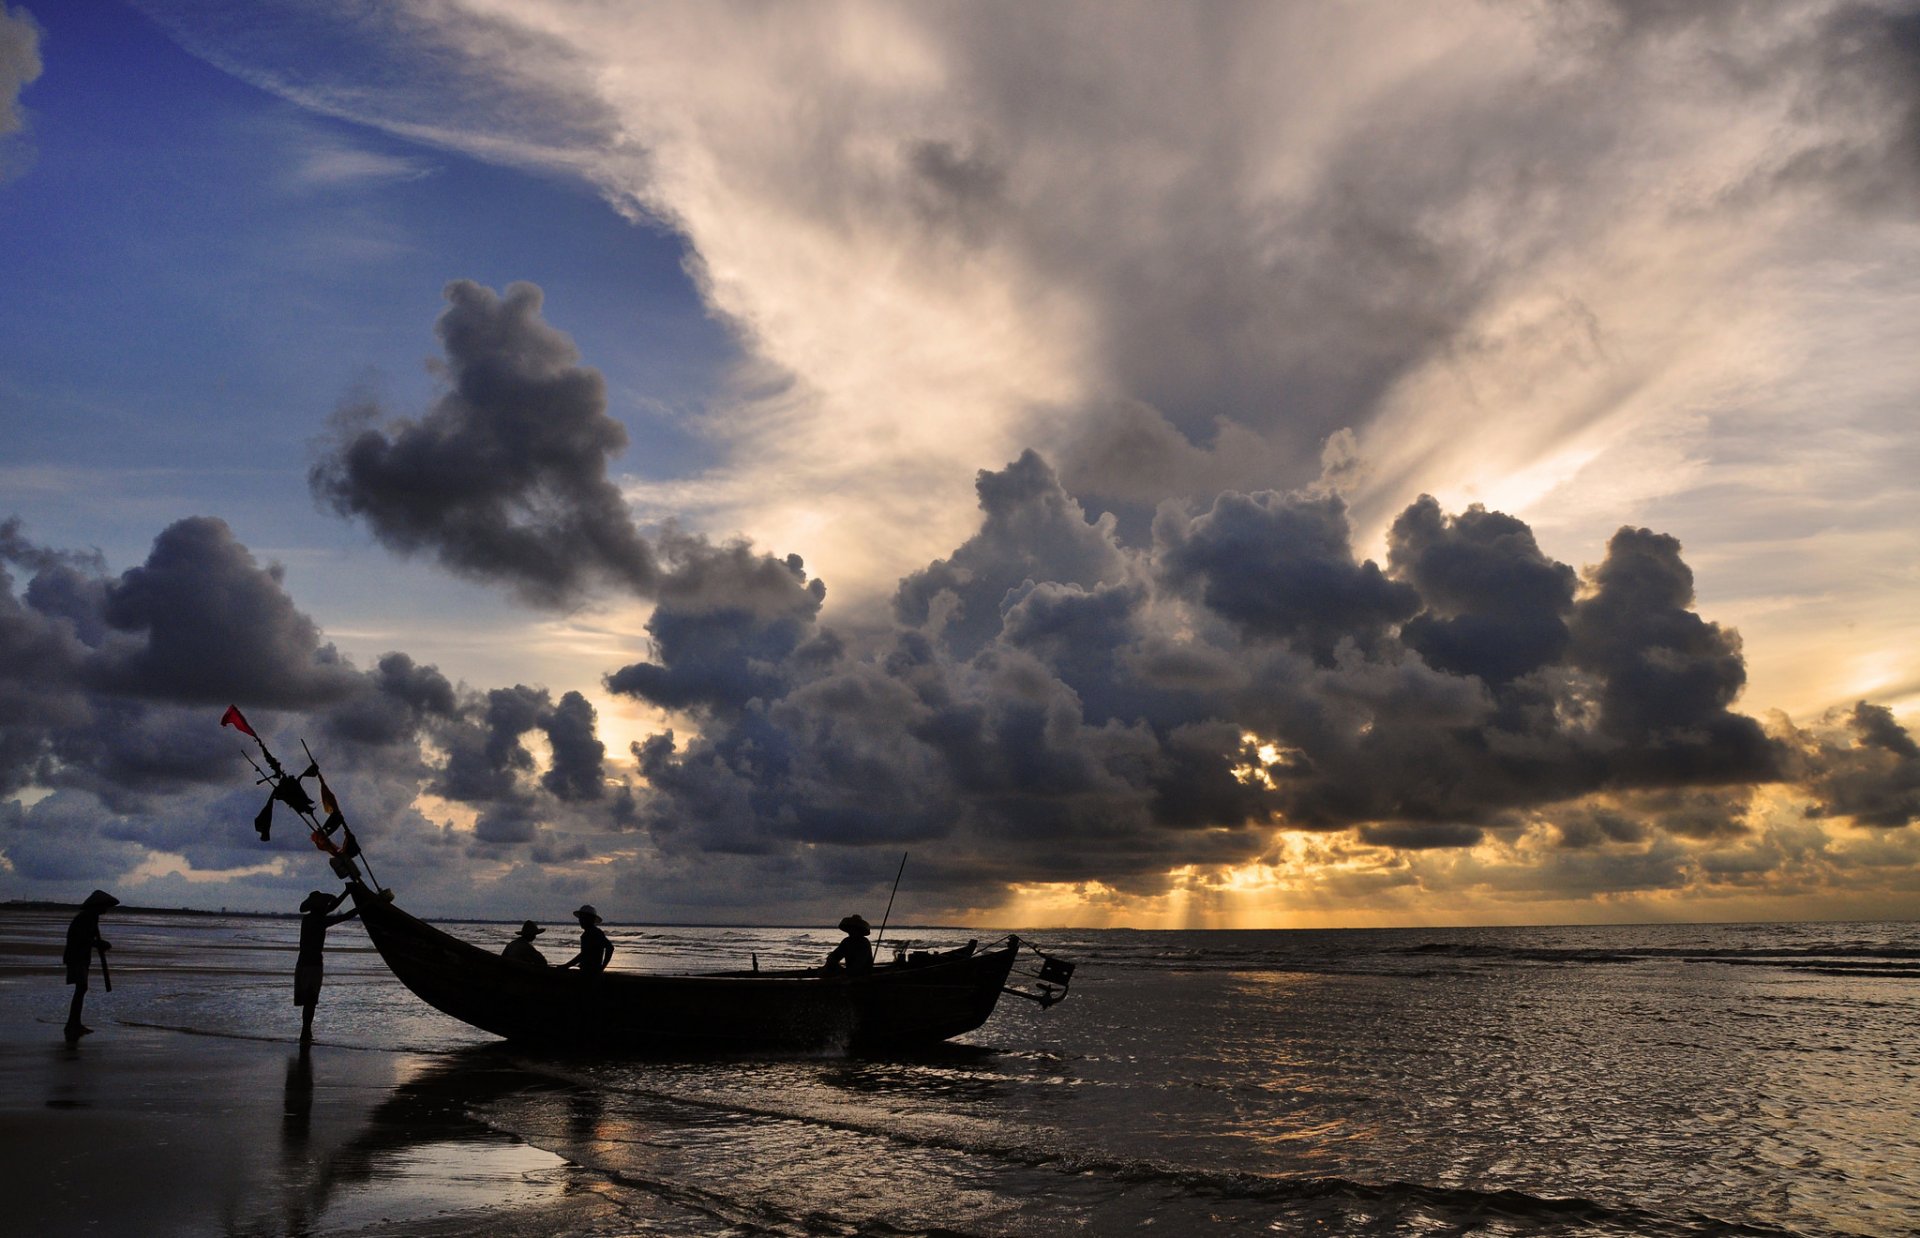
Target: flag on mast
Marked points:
234	718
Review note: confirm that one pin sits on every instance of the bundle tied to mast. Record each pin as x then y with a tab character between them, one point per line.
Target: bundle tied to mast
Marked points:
286	789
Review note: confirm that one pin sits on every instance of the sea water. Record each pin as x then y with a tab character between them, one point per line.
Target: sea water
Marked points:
1632	1080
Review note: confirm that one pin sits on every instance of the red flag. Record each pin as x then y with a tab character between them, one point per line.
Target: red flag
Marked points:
324	843
233	717
326	794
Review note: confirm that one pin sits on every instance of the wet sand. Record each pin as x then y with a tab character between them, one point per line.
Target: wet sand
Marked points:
155	1131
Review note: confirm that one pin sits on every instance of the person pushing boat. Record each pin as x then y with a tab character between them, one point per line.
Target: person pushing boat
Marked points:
316	918
595	950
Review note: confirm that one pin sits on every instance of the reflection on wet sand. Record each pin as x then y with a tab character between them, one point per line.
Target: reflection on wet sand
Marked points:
418	1153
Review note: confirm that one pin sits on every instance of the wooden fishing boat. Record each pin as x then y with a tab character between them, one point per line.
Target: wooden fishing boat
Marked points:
923	1000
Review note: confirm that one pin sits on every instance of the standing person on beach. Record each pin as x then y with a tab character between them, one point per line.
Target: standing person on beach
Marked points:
83	939
522	950
595	949
316	918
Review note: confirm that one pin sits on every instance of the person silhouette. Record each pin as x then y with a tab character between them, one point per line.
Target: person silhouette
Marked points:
854	954
522	950
595	949
316	918
83	939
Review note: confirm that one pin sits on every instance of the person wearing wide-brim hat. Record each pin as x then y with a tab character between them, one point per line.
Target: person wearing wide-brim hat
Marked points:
316	917
595	949
83	939
854	953
522	950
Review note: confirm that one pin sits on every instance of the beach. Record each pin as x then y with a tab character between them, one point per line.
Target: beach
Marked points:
143	1128
142	1131
1651	1080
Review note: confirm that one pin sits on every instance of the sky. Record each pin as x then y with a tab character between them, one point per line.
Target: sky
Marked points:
1241	465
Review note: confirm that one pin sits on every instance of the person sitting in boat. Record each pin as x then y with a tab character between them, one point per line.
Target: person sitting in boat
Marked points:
522	950
595	949
309	965
854	955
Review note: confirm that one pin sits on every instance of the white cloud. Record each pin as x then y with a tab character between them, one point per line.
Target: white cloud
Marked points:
332	164
1596	267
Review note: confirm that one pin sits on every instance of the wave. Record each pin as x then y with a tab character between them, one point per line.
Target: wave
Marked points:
1119	1179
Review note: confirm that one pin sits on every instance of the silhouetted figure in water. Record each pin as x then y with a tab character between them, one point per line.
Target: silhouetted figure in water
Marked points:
522	950
83	939
315	919
595	949
854	954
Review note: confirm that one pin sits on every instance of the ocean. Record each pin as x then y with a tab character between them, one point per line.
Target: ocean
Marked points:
1630	1080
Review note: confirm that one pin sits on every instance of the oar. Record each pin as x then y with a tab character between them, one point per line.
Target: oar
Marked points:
896	890
105	975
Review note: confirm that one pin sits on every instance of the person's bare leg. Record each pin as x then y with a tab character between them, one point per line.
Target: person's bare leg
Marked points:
74	1026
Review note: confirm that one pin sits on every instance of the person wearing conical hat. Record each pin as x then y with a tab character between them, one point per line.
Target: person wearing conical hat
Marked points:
316	917
83	939
522	950
854	954
595	949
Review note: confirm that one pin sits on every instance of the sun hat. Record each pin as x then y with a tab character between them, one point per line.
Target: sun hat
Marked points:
586	912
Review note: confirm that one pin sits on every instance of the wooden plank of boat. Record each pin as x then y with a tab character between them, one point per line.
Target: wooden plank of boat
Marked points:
895	1005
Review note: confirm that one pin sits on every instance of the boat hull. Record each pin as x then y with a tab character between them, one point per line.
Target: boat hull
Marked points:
896	1005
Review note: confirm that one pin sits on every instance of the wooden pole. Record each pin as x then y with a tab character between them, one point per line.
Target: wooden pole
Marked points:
896	890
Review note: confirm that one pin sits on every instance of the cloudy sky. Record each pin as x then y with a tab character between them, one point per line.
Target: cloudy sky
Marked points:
1224	465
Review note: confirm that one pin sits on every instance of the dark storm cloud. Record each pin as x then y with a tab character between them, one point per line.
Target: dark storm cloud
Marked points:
1703	814
486	760
1056	702
110	692
396	699
86	659
577	770
1033	531
1585	826
1051	704
217	626
1495	606
1280	567
1869	770
505	477
1667	676
727	630
1420	836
